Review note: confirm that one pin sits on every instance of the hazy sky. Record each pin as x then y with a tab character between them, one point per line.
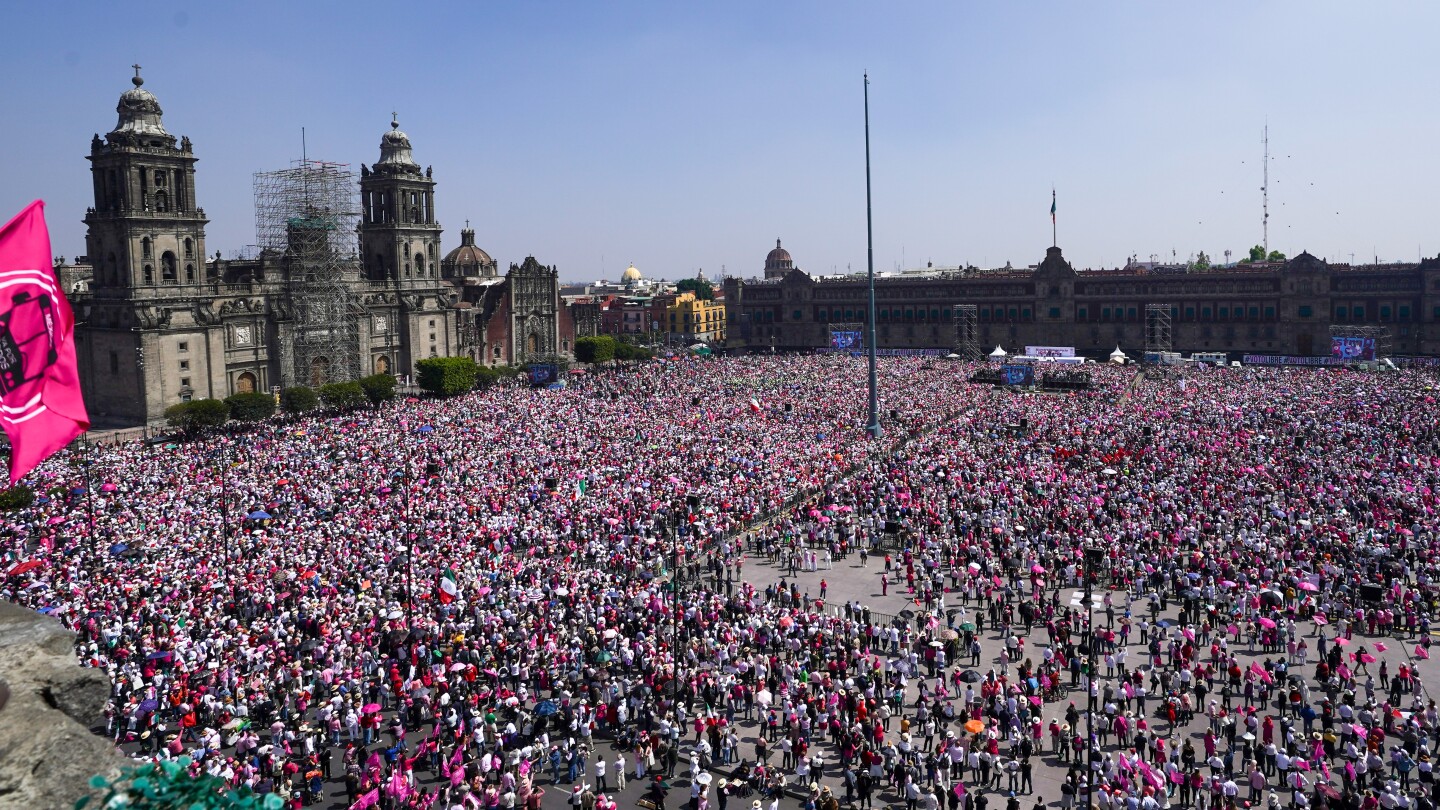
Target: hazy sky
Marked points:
681	135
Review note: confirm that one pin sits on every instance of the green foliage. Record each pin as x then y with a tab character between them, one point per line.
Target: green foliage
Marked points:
629	351
298	399
702	289
197	415
1257	253
447	376
378	388
1275	256
1202	262
17	497
250	407
343	396
595	349
486	376
169	786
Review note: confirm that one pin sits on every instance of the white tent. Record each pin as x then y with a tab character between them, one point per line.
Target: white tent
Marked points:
999	353
1118	356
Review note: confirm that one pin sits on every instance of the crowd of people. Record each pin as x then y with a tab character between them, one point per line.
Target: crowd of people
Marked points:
464	603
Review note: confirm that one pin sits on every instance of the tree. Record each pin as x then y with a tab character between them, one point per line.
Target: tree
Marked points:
17	497
378	388
342	396
1257	253
485	376
1276	256
1202	262
447	376
595	349
197	415
250	407
298	399
702	289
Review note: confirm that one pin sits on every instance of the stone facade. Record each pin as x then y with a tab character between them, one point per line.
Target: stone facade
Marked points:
159	322
1280	308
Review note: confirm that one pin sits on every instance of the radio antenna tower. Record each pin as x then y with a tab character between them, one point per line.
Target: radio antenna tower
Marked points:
1265	193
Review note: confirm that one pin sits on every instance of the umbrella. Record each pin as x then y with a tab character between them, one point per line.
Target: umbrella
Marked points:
149	705
1271	598
394	614
427	429
119	548
974	726
1037	569
704	778
970	676
238	722
158	656
258	514
907	613
1109	471
1268	624
967	626
457	667
545	708
309	645
78	491
1308	586
370	708
107	487
25	567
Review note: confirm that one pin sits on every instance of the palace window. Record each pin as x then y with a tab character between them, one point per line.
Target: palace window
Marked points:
1340	313
1404	313
1384	313
1306	311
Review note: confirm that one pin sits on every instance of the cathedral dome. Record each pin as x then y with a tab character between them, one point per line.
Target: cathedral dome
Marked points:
395	150
139	116
468	260
778	261
631	275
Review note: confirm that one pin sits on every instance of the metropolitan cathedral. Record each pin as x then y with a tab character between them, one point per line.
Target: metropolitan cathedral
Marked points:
160	322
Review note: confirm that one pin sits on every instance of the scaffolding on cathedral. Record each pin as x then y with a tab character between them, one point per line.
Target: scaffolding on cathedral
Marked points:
308	213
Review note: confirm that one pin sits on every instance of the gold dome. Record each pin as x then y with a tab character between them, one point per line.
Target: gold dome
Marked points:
631	275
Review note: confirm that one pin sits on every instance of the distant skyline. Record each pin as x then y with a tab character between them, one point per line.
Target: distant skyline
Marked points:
681	136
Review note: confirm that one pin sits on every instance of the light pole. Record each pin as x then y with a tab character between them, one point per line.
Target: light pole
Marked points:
86	447
225	499
1093	555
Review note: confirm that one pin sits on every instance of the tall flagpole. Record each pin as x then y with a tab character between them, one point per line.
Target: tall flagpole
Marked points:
1054	242
874	424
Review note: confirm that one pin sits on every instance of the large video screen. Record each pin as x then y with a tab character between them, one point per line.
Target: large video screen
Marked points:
543	373
1022	374
1355	349
847	339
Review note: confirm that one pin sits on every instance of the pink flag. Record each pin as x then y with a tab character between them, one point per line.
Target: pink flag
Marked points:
1380	645
41	408
1421	652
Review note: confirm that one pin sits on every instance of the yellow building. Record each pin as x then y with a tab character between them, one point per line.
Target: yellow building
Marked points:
692	319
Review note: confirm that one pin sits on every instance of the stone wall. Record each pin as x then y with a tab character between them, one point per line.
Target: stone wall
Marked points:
47	751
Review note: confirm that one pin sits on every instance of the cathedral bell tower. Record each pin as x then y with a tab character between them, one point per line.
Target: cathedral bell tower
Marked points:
399	237
400	258
146	236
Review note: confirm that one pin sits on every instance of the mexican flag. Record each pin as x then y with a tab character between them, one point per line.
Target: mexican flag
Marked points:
1052	206
447	590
